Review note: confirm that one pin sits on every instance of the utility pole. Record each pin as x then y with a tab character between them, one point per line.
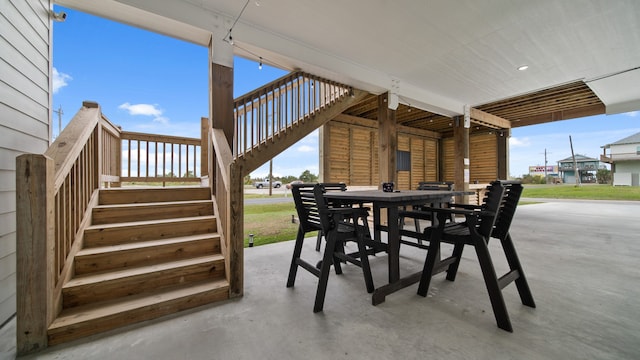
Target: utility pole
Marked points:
270	177
575	164
59	112
546	177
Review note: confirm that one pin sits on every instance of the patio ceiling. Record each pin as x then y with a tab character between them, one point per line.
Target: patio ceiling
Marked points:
583	56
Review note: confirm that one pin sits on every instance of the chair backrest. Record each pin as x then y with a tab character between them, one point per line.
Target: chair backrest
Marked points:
308	203
435	185
512	192
490	207
306	206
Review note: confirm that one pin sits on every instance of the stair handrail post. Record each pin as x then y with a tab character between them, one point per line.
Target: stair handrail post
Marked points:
35	251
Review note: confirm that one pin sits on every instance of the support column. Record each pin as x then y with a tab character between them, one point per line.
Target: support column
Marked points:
228	191
387	140
503	153
461	166
324	153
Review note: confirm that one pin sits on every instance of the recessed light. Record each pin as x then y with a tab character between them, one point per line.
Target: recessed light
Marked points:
523	67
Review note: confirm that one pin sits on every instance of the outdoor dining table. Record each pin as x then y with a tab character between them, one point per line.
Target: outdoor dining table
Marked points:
392	201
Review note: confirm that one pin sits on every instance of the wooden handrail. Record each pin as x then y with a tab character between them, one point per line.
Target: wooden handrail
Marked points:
264	114
223	154
169	161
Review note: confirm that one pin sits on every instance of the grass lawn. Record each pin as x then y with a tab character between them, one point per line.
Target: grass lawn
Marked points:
270	223
585	191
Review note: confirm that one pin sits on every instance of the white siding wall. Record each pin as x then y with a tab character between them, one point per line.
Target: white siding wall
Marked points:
25	44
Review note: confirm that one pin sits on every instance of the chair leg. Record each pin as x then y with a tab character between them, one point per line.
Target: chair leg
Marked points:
338	247
433	255
319	240
493	288
297	250
514	264
327	260
364	261
452	270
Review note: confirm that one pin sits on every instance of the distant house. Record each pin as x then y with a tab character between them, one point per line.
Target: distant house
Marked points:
624	157
587	168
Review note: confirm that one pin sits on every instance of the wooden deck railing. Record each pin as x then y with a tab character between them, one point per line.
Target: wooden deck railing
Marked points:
261	115
56	192
154	158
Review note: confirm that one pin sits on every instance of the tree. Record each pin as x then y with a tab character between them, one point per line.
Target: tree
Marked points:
603	176
307	176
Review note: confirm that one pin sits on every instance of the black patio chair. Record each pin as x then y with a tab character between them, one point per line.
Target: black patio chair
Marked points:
339	225
492	219
422	212
330	187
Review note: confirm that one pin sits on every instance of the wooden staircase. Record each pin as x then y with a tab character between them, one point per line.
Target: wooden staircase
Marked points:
149	252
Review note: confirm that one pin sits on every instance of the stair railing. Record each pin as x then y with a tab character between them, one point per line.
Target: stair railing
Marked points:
55	193
264	114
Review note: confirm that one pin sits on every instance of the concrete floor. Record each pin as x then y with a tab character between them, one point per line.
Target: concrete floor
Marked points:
581	260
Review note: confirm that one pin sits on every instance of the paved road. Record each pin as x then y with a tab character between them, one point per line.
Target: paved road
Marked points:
279	195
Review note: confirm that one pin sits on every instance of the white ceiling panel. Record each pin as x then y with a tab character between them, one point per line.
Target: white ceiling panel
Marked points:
443	54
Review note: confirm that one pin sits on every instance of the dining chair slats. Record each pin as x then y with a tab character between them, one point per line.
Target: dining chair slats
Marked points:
339	225
492	219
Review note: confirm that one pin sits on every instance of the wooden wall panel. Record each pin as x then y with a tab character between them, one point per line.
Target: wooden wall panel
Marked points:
483	158
418	162
448	158
431	160
404	177
339	154
25	124
375	169
361	156
353	156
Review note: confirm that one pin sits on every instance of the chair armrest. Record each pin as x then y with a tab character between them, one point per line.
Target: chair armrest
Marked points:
466	206
427	212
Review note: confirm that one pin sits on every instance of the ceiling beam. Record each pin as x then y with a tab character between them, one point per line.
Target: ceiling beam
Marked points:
567	114
489	120
364	122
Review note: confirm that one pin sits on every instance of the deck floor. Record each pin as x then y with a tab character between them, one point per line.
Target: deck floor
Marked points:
581	259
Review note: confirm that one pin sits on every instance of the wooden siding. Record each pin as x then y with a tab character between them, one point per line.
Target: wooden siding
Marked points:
483	158
448	159
483	152
353	155
24	102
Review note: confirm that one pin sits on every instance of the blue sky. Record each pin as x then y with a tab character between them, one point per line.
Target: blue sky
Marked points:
151	83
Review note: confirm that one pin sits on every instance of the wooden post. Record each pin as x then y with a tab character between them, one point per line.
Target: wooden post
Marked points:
388	140
325	151
222	105
222	101
34	251
461	166
204	147
503	153
235	231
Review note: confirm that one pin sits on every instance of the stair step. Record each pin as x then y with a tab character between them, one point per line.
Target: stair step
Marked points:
153	194
86	289
118	213
128	232
91	319
104	258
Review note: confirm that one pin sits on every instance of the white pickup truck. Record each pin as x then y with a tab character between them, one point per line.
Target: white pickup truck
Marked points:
265	183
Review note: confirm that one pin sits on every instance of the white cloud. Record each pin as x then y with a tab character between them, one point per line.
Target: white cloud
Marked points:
519	142
162	120
141	109
632	113
60	80
145	110
306	148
